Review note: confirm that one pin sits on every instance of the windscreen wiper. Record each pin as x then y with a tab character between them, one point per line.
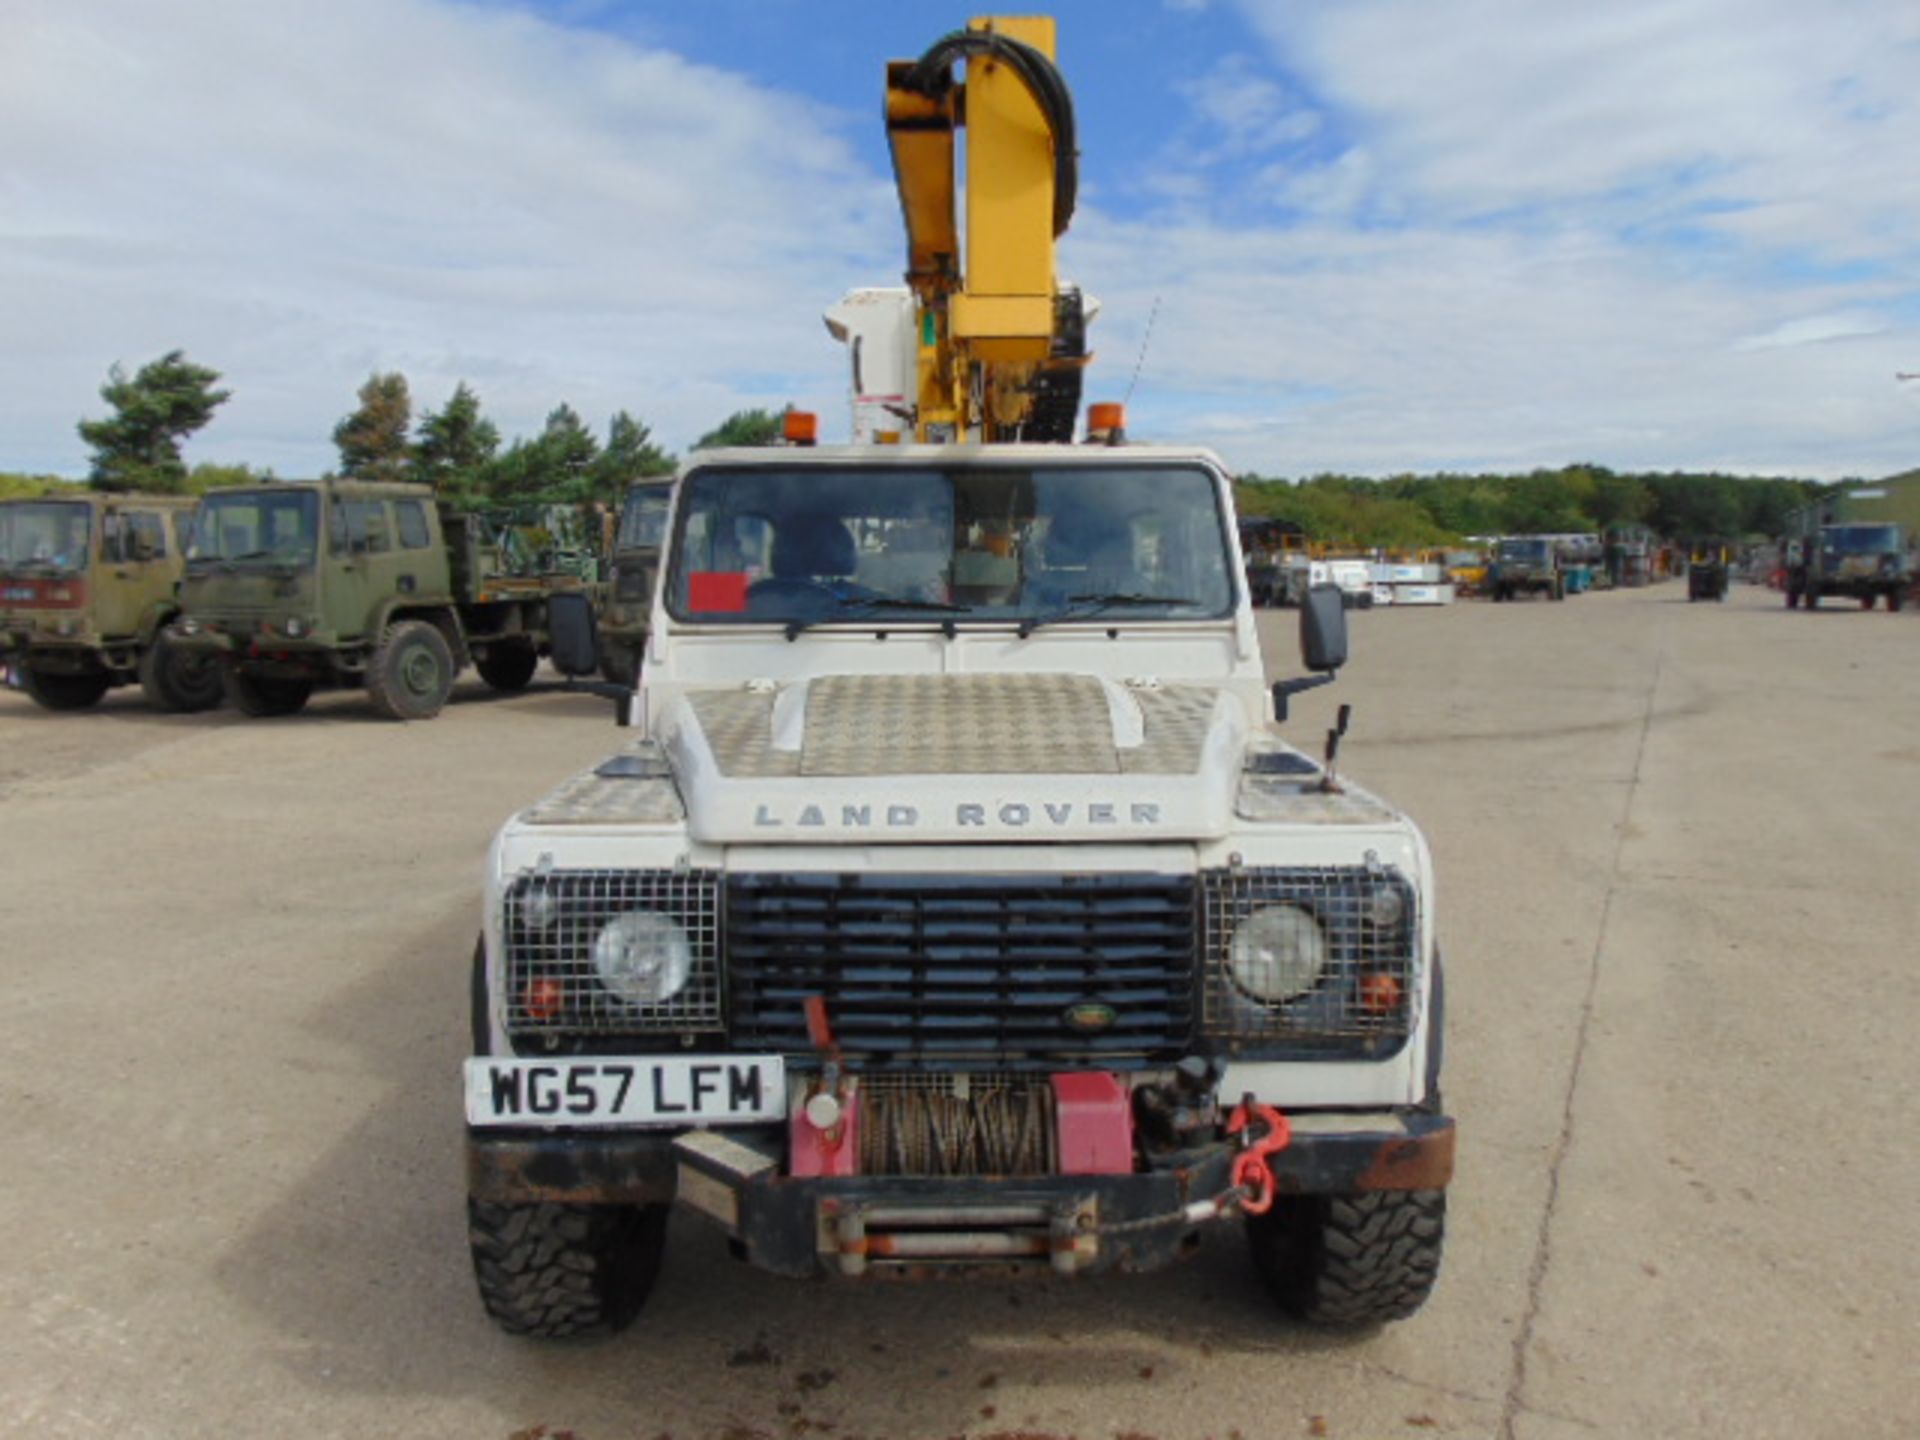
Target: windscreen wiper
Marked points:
865	603
1093	604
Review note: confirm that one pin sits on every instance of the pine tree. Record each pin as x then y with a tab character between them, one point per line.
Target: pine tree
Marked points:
373	439
745	427
454	446
630	455
138	447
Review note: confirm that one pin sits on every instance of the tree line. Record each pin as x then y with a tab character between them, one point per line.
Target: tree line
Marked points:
1417	511
454	449
458	451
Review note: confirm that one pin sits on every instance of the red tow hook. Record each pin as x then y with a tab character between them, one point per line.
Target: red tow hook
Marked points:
1251	1172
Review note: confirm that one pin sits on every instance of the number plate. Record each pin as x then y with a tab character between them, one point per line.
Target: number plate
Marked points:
658	1090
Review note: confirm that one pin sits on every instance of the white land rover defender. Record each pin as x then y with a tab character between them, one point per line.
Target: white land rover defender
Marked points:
960	907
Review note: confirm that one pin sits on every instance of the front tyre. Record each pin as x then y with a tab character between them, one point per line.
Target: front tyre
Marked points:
52	691
177	681
265	697
553	1271
1351	1261
508	667
411	673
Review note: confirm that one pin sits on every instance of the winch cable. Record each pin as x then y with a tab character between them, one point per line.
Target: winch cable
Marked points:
932	76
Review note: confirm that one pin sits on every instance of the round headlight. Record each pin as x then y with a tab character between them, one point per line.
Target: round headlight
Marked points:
1277	953
642	957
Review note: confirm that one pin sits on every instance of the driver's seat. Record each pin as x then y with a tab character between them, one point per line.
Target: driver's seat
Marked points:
812	547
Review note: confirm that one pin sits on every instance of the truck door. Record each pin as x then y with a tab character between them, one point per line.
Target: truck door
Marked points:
352	595
134	571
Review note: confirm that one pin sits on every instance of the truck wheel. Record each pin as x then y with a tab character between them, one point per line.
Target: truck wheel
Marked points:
551	1271
411	672
263	697
1894	599
1812	597
1793	599
1866	601
63	692
179	682
1348	1261
509	666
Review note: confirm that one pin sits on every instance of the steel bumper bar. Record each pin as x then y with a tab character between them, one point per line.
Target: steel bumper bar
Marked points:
897	1224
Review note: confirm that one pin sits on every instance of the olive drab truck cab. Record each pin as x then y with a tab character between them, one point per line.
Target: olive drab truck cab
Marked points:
635	567
1865	561
294	585
1526	565
87	588
960	905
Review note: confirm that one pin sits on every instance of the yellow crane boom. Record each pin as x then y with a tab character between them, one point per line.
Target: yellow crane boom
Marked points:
1001	342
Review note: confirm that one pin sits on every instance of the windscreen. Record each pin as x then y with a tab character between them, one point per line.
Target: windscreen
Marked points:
1862	539
1534	551
809	544
47	535
643	520
256	525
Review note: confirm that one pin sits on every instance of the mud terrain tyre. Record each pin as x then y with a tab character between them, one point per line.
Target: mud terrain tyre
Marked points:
63	692
508	667
265	697
411	673
178	682
1351	1261
554	1271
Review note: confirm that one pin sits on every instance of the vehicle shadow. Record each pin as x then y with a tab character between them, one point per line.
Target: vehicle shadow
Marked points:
361	1273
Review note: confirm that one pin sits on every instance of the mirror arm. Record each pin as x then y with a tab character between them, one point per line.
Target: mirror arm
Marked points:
1282	689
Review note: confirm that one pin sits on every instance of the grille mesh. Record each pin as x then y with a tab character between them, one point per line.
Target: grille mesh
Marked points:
1007	970
1348	903
551	922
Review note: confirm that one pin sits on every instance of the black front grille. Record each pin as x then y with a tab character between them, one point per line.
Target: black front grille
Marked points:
1018	971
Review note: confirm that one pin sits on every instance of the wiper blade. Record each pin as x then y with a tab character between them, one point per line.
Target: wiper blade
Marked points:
1093	604
865	603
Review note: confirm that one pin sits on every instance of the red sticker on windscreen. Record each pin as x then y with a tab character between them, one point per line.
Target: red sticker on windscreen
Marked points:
717	592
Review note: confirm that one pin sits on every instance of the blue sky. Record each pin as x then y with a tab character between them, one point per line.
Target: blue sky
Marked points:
1375	235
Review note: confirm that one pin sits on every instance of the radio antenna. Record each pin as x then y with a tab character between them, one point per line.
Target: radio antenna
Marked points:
1145	339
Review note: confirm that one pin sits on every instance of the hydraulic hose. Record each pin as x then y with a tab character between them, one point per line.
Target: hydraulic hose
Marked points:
932	75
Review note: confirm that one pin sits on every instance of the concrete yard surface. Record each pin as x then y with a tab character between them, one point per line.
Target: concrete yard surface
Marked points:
1676	856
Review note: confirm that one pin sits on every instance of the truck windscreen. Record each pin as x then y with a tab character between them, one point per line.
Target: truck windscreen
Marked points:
46	535
256	525
805	544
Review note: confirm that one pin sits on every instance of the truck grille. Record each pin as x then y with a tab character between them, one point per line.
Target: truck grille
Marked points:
550	924
1020	971
1369	921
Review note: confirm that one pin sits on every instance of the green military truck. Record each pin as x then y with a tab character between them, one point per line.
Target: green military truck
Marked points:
1526	565
1864	562
87	587
292	585
636	561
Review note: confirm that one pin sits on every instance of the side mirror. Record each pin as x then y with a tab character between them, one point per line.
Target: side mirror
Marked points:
1323	644
1323	629
573	634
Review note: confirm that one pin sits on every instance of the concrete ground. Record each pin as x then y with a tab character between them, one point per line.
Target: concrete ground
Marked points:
1676	850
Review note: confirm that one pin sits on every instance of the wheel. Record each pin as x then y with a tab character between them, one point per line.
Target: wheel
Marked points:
1347	1261
265	696
1793	599
552	1271
1866	600
177	681
411	673
54	691
508	666
1559	590
1812	597
1894	599
619	665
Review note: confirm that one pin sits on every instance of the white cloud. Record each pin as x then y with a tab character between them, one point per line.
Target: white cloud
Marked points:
299	194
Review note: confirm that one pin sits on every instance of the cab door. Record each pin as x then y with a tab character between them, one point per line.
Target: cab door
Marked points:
135	573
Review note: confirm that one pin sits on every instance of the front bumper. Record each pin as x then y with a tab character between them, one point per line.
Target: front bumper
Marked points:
860	1224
